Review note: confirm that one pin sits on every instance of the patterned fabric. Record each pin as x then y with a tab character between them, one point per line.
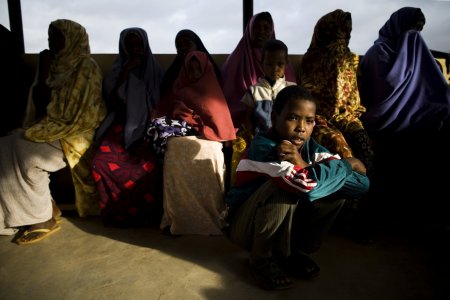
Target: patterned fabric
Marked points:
401	84
161	129
326	134
329	72
200	103
76	107
241	69
127	181
72	115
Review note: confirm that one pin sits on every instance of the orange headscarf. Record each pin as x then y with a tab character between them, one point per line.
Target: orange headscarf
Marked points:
201	103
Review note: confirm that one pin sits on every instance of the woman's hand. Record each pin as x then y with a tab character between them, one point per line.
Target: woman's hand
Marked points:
356	164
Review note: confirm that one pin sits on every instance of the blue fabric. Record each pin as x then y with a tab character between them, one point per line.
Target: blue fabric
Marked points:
401	84
332	176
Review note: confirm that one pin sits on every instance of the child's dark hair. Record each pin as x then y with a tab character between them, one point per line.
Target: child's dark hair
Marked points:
290	93
274	45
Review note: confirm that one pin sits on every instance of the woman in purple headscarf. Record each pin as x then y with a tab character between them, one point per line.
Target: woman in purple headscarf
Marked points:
243	66
124	168
401	84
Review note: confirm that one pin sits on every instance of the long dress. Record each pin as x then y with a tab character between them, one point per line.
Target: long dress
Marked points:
124	167
63	136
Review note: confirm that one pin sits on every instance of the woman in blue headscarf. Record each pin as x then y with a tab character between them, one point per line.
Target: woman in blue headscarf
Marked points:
401	84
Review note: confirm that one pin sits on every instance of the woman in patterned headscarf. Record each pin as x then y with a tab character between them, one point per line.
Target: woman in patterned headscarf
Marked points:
123	167
328	71
70	81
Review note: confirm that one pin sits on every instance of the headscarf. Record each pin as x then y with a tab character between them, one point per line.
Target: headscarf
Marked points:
201	103
141	91
171	73
242	68
328	70
76	107
401	84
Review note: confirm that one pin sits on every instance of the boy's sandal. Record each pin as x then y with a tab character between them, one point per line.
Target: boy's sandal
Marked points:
269	276
300	265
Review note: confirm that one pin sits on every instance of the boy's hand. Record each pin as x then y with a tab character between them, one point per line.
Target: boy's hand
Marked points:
357	165
289	152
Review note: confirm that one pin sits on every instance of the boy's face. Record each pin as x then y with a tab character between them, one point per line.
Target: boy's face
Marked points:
274	64
295	123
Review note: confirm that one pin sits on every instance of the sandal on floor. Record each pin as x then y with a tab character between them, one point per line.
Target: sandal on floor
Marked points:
300	266
36	235
269	276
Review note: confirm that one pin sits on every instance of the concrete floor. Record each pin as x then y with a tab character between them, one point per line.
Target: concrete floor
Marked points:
86	260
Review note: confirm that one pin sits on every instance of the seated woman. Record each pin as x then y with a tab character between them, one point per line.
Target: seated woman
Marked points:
401	84
68	84
124	167
408	111
193	165
185	41
329	73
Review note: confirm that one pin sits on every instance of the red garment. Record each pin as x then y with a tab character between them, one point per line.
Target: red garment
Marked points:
201	103
127	184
